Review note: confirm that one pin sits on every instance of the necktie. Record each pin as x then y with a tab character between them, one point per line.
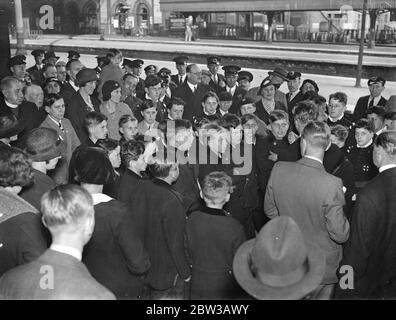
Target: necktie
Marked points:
371	104
180	80
60	126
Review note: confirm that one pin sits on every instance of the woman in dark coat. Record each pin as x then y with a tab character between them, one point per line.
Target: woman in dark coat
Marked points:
213	237
115	255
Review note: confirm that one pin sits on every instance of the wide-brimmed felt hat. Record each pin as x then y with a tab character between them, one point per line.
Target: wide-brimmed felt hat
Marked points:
73	53
279	263
37	52
17	60
180	59
10	126
265	83
86	75
281	73
231	69
43	144
50	54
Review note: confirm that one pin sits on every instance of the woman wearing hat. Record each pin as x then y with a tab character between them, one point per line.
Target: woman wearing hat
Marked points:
111	71
52	85
21	233
113	108
309	85
10	127
45	148
267	103
54	105
115	255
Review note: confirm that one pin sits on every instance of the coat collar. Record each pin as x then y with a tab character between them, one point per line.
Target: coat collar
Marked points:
161	183
311	163
214	212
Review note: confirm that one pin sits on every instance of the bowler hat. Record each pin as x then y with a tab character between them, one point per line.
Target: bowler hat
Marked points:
93	166
281	73
37	52
50	54
10	126
213	60
43	144
375	79
86	75
278	263
231	69
180	59
73	53
245	75
108	87
292	75
17	60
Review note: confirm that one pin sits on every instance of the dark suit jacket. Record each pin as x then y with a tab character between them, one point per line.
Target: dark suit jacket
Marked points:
71	280
115	255
160	218
67	92
28	114
36	75
361	107
193	101
314	199
215	86
134	103
76	110
140	89
212	276
175	79
263	114
371	248
291	103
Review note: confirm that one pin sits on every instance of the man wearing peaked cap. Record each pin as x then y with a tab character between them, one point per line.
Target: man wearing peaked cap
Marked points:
376	86
101	62
36	70
82	102
135	67
294	95
17	65
72	54
150	70
181	65
217	80
231	78
279	264
244	79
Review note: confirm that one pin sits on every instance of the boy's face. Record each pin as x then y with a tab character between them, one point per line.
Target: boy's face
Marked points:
294	84
376	89
210	105
100	130
336	141
378	122
225	105
279	128
248	109
244	84
363	136
154	92
129	130
149	115
57	110
176	112
336	108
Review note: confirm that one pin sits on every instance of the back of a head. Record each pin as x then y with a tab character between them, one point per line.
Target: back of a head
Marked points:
229	121
161	168
65	207
216	186
317	135
387	140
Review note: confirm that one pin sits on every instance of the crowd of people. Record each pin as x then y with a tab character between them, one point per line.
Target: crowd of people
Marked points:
193	185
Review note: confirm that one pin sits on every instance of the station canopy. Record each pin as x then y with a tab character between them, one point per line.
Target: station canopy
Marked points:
270	5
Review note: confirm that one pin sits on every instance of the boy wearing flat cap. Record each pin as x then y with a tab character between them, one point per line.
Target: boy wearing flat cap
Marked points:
181	65
211	274
376	86
135	67
231	79
44	147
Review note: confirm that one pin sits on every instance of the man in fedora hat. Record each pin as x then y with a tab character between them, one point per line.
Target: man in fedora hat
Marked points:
17	66
313	198
82	102
10	127
50	57
44	147
376	87
279	263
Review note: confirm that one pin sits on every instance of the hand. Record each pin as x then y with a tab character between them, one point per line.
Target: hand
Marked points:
273	156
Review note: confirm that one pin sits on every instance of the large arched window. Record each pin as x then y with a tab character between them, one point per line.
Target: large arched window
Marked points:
143	16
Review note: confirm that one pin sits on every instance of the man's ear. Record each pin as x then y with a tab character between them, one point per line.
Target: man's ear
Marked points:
146	89
201	194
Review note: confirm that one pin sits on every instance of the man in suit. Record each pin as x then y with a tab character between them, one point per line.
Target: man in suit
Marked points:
70	87
376	86
36	70
192	92
181	66
12	104
231	79
153	89
316	204
17	66
68	213
294	95
82	102
245	78
370	250
160	218
217	80
130	82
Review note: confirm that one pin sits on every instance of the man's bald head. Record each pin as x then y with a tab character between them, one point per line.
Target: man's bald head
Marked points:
11	89
35	94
